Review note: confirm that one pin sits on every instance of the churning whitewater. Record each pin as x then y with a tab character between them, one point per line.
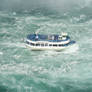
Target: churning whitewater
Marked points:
23	70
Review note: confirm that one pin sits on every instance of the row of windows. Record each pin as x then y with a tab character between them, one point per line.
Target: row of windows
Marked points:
55	45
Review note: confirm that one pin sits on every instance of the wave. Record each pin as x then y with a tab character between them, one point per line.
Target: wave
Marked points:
18	45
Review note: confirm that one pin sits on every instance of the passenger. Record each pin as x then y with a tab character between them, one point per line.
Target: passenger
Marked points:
52	37
49	37
36	37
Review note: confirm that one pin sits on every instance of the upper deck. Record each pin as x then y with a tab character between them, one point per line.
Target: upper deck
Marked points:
50	38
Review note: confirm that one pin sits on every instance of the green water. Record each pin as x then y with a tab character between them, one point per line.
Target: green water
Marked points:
23	70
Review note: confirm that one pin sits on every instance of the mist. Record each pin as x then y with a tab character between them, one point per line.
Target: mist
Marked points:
59	5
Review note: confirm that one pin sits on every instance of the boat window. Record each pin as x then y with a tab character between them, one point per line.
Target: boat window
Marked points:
37	44
27	42
46	44
62	44
42	44
32	44
54	44
50	44
64	36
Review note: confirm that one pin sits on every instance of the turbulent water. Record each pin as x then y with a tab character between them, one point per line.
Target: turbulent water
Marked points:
23	70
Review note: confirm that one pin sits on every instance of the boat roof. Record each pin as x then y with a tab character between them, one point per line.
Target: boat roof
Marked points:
50	38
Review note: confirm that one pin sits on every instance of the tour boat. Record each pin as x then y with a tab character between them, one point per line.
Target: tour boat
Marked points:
48	42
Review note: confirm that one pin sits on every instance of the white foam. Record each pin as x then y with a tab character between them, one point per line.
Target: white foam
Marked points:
14	13
49	54
1	53
46	54
72	49
22	45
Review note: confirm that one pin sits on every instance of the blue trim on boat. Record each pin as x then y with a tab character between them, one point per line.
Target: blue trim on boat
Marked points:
40	37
